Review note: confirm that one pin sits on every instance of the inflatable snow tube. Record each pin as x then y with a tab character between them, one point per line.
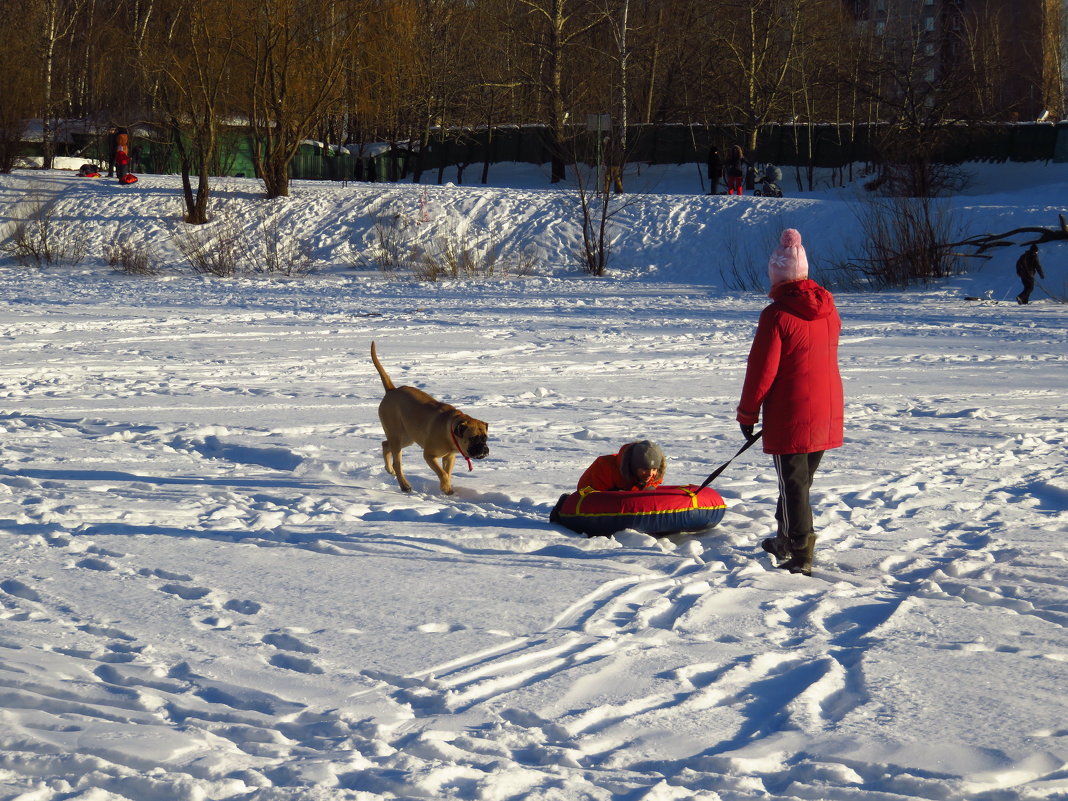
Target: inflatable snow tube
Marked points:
657	512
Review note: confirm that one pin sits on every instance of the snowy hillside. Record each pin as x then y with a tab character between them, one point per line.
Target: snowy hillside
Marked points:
211	589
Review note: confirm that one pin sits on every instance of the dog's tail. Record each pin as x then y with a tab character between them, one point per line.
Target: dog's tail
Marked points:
387	382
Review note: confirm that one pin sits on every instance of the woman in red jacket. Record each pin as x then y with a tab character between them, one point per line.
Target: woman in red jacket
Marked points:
792	376
735	169
637	466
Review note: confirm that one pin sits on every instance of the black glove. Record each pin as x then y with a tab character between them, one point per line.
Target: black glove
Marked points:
747	431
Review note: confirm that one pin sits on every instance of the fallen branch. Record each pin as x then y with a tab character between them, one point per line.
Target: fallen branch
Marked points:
984	242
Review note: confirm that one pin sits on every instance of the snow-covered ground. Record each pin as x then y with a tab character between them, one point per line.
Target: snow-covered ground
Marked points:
210	588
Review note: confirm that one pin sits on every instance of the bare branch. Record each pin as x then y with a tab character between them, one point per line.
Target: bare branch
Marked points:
984	242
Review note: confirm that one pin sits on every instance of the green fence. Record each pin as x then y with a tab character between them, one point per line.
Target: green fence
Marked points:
784	145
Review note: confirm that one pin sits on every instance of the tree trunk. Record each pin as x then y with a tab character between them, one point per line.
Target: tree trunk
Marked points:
49	37
187	186
619	146
276	178
557	135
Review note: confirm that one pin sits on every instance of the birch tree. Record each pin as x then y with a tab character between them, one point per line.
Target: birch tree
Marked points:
760	39
554	28
295	53
55	20
199	56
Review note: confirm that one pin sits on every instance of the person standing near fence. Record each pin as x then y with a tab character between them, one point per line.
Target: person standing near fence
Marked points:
122	154
715	170
112	144
735	168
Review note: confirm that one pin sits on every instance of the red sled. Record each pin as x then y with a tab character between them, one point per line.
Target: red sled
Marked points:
128	178
657	512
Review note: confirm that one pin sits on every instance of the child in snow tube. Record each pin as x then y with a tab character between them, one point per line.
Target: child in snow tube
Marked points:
637	466
625	490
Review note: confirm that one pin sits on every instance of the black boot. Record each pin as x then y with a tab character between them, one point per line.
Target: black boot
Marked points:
777	546
801	556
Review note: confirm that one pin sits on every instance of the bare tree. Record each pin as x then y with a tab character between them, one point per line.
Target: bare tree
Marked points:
295	52
55	20
144	26
446	70
1052	62
1058	31
199	55
816	94
617	18
378	83
761	38
553	28
979	47
918	96
19	86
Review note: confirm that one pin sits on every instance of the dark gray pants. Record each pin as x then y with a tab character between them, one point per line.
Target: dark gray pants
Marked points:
794	511
1028	288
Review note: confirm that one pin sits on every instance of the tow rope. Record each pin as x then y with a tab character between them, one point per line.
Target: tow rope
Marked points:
748	444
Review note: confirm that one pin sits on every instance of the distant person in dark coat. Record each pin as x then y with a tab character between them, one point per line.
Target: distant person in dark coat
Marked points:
736	166
1026	267
715	170
112	145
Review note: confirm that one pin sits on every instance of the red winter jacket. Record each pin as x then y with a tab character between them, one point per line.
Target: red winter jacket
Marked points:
793	371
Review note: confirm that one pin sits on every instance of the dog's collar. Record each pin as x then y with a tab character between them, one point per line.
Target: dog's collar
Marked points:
456	442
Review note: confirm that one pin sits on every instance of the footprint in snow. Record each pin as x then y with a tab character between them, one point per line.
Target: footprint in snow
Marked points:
165	575
287	642
218	622
104	552
243	607
19	590
295	663
95	564
185	593
106	631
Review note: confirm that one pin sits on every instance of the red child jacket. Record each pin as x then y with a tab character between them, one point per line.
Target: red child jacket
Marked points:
792	373
606	474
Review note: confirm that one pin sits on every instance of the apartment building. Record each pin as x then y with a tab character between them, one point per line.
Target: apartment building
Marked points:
1009	53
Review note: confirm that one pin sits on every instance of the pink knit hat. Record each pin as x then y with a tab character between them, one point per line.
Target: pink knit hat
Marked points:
788	262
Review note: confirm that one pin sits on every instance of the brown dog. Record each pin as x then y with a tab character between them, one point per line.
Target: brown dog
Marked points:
410	415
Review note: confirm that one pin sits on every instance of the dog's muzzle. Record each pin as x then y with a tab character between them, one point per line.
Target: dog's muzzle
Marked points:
477	448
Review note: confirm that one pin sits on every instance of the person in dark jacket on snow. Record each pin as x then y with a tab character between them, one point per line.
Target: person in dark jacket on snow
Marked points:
637	466
715	170
792	379
1026	267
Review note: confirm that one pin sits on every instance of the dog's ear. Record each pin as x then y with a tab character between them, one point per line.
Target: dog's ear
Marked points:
461	427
